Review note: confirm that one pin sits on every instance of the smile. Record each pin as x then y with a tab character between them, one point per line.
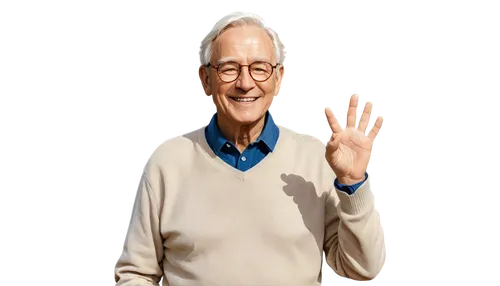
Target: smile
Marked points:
242	99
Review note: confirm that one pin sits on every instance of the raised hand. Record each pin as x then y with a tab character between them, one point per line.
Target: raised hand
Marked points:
349	149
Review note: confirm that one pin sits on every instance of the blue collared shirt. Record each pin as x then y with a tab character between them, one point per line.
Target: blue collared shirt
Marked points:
256	151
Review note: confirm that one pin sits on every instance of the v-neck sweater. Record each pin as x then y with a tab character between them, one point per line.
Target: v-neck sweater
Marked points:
198	221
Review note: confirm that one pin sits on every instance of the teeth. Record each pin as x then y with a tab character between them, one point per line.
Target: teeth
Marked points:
245	99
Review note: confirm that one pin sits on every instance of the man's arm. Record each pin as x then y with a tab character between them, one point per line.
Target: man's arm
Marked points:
140	261
354	240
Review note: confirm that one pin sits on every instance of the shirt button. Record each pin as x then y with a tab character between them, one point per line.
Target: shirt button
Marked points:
243	159
227	145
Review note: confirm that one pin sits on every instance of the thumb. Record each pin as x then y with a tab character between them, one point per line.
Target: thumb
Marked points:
333	145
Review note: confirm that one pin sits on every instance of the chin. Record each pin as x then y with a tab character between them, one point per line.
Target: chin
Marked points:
247	117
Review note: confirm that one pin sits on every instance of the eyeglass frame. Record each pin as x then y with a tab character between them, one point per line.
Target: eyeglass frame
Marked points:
209	65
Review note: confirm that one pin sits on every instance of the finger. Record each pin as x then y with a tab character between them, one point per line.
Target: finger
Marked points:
366	115
332	121
358	108
351	112
376	127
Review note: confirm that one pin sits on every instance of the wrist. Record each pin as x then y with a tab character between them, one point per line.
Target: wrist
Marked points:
350	181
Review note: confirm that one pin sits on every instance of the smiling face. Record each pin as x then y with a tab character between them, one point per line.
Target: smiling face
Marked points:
244	45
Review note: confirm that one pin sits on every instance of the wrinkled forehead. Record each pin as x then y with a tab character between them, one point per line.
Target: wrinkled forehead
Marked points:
244	44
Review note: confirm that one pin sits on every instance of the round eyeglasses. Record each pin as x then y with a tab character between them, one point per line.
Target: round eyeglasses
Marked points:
230	71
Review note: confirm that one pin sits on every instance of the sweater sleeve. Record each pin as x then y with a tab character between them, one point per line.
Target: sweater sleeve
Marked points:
354	240
140	261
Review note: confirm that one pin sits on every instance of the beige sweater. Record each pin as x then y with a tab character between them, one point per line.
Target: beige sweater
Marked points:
198	221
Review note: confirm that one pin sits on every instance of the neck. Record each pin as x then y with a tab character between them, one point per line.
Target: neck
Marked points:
241	135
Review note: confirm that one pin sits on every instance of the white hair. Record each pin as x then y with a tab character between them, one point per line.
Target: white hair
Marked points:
239	19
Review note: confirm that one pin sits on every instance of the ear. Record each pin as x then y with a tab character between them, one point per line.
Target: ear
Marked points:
278	82
205	79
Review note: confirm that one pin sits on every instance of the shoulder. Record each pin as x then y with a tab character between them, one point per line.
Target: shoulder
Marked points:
175	150
302	141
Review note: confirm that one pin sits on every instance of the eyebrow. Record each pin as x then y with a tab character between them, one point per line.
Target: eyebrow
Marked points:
230	59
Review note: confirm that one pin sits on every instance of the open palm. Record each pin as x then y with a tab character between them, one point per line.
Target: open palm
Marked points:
348	151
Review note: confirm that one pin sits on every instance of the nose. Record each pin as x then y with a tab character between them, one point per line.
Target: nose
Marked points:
244	81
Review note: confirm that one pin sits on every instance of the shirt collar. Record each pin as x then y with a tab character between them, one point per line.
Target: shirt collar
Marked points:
268	136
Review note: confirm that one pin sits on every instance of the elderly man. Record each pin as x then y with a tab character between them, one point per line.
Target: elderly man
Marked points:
244	201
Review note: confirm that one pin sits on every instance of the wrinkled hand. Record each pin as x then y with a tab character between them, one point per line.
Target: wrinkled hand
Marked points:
349	149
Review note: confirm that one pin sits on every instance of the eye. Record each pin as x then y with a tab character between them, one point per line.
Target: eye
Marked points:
229	68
